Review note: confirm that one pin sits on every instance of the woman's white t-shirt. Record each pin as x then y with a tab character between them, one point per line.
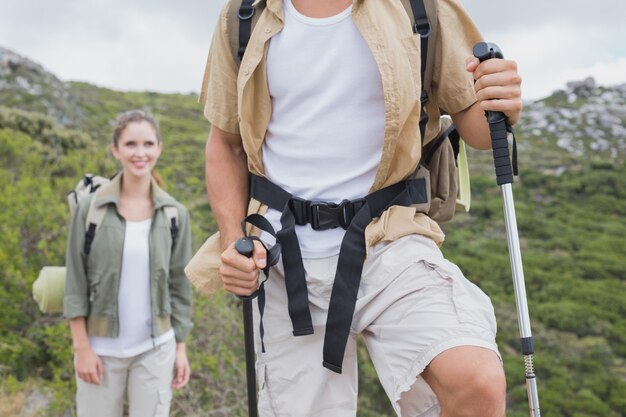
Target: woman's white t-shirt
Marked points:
134	306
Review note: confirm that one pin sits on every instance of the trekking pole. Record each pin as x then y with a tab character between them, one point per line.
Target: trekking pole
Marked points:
245	246
504	175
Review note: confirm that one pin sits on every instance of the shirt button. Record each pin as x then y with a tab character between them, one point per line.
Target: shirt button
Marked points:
268	30
246	72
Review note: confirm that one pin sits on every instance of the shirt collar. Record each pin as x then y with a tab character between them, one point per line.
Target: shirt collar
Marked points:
110	193
276	6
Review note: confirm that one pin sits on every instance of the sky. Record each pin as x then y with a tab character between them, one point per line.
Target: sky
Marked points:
161	45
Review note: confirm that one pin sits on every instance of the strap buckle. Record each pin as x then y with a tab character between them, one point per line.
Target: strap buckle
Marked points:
423	28
350	211
246	12
326	216
301	210
322	215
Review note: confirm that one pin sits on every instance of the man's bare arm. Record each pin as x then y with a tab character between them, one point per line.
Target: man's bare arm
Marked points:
226	182
473	127
227	186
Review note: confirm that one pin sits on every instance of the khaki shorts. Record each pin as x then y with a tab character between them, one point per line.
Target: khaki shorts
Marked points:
412	305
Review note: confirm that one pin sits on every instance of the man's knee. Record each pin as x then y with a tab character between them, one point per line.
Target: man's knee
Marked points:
483	393
468	381
490	384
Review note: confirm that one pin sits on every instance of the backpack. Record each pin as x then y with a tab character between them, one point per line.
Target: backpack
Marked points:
49	287
445	155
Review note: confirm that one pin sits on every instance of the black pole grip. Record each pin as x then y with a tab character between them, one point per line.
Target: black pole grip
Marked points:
497	122
245	246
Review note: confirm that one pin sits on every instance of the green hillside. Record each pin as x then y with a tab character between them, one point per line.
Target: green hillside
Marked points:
570	208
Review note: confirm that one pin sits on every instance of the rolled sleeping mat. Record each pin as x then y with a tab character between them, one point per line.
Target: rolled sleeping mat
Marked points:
49	289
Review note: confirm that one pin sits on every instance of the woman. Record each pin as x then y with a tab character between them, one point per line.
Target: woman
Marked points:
127	299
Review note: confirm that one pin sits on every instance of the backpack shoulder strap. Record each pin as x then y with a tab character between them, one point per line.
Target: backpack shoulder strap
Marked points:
87	185
240	21
429	55
423	15
172	215
95	216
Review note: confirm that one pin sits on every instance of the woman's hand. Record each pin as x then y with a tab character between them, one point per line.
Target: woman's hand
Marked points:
182	370
88	365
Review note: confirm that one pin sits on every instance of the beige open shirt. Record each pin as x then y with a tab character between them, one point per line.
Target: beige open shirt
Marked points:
237	100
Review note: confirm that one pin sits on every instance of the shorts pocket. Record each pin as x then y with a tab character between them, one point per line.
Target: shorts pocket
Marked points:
164	398
281	379
264	403
471	304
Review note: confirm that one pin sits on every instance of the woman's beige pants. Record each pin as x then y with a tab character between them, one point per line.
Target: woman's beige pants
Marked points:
147	378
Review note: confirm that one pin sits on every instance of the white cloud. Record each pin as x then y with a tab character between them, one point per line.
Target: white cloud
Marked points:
128	46
160	45
150	54
552	54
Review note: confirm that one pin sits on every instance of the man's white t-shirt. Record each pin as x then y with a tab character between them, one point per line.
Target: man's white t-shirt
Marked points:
325	137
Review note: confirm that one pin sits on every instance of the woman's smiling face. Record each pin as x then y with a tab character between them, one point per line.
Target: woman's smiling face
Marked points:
138	149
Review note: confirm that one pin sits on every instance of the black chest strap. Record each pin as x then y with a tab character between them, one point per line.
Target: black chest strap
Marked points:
353	216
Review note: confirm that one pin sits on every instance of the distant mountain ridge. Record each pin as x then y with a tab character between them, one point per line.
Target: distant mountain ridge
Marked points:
584	119
584	123
24	83
27	85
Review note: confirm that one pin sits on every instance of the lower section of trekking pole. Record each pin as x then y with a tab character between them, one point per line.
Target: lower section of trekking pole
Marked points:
504	175
245	247
523	316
